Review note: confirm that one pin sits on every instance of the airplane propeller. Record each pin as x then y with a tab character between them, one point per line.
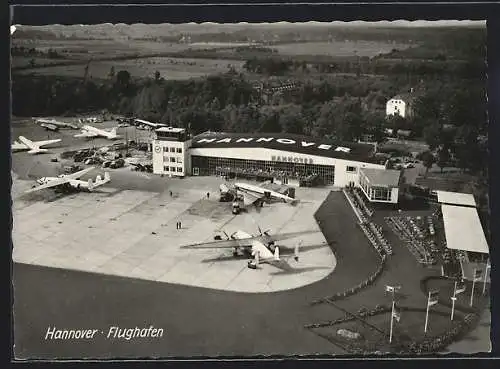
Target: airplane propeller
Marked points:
266	232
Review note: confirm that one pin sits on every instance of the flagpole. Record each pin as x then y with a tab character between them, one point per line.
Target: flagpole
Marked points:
392	322
427	313
488	267
473	285
453	300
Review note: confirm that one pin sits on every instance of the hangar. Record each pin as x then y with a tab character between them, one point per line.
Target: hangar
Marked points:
284	158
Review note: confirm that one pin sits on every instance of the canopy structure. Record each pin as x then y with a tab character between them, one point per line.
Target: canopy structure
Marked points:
463	229
456	198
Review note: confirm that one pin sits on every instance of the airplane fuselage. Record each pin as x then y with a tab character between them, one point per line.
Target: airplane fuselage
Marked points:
263	192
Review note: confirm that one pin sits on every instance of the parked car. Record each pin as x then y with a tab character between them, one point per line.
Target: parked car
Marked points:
54	160
92	160
118	163
72	169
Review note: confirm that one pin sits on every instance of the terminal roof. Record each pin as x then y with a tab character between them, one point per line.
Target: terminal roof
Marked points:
463	229
382	177
456	198
290	143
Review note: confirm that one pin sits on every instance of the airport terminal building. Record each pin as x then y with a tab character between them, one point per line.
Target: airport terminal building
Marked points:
283	158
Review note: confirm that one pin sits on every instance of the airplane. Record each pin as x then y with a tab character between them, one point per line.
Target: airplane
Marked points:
92	132
261	247
52	122
256	195
144	124
70	182
49	127
33	147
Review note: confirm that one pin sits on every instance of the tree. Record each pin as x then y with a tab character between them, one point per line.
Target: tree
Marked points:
111	73
432	134
157	76
428	160
443	157
123	79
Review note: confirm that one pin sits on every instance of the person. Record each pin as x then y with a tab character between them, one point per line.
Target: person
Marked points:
177	225
170	193
208	195
180	225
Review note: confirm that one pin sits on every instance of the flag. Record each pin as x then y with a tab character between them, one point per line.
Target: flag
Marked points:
478	274
396	314
389	289
433	298
460	288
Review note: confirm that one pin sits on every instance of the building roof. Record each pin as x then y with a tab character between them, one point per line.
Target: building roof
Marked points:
288	142
456	198
463	229
382	177
170	129
406	97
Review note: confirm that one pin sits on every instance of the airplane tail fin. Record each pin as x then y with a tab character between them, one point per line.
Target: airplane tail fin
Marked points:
256	258
107	177
276	253
113	131
90	185
296	251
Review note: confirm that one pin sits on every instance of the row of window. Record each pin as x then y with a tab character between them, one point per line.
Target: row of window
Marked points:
375	193
172	159
222	166
172	169
173	149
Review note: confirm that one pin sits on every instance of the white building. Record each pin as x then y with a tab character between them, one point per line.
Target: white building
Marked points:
380	185
282	158
400	105
171	152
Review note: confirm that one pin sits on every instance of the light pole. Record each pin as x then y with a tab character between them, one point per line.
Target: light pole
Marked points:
488	267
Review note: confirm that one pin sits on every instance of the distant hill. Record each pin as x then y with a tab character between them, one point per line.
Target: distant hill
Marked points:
281	31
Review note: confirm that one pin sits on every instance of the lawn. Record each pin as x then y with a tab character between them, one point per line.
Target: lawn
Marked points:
169	68
338	48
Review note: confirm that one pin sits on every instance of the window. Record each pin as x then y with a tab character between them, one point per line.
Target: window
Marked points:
172	149
172	160
179	150
172	169
179	160
351	169
165	169
179	170
165	149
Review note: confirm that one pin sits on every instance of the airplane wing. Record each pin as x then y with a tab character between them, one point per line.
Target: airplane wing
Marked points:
286	236
79	174
47	142
224	244
54	183
249	199
19	146
86	134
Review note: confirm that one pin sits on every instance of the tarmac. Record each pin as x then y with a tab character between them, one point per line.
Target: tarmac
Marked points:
132	233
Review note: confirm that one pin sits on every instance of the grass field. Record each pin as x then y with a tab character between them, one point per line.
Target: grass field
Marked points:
338	48
169	68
